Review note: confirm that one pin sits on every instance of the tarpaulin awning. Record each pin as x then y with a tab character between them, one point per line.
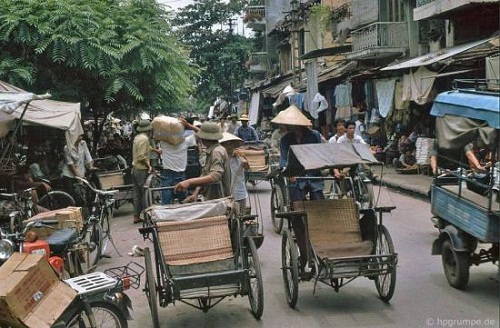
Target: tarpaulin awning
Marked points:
57	114
336	71
275	89
480	48
326	155
463	117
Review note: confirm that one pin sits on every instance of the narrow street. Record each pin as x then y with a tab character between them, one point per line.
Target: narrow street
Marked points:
421	283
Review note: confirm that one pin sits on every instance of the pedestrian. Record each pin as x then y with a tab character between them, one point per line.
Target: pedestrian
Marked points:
215	174
299	133
350	136
233	124
340	131
141	165
246	132
174	160
238	164
76	160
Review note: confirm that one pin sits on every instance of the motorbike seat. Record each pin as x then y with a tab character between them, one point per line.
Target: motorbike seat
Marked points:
61	239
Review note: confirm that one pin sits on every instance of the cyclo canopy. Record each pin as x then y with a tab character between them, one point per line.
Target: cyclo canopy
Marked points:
326	155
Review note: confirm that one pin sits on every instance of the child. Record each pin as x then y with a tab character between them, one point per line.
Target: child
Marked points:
238	164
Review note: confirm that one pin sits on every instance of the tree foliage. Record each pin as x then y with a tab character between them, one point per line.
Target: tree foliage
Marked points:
115	54
221	53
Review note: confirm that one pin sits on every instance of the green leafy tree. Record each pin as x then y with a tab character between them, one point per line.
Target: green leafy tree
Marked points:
113	54
219	52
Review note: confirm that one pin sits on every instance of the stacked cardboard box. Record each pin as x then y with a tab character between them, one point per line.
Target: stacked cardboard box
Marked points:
69	217
31	294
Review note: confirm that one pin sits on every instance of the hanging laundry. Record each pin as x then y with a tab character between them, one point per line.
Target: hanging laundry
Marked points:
319	104
343	100
417	86
385	95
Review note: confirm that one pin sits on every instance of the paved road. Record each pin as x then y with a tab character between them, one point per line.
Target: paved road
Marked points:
422	298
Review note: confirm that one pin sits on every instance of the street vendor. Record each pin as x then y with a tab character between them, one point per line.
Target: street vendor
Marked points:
299	133
215	174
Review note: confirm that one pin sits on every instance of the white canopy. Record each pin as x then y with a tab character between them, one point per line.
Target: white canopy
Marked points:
41	111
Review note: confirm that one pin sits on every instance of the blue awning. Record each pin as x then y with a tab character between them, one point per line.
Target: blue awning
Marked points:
485	107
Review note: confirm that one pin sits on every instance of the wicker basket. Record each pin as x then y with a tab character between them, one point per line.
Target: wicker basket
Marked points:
196	241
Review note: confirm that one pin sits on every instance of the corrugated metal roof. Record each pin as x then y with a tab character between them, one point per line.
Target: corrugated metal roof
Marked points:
477	48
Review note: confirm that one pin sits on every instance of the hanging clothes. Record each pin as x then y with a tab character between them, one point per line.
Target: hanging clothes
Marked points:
318	105
385	95
343	100
417	86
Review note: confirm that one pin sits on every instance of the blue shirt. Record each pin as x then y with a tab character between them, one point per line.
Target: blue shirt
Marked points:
247	133
308	137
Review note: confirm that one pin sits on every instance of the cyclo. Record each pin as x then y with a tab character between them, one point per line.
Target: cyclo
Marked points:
465	208
202	255
344	238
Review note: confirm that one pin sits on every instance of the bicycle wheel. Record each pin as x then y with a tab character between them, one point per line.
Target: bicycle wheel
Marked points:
152	197
93	238
106	229
277	205
385	283
256	292
56	199
105	315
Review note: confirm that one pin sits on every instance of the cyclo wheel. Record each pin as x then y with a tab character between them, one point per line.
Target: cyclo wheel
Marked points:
290	267
277	205
385	283
256	292
105	315
56	199
154	197
456	265
150	288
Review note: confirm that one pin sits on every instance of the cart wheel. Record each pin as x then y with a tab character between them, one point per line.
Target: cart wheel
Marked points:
385	283
150	288
256	292
277	205
290	268
456	265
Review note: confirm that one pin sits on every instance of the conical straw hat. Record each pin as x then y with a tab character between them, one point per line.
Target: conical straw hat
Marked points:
291	116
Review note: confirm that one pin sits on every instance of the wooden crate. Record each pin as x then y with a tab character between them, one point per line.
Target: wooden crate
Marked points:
111	180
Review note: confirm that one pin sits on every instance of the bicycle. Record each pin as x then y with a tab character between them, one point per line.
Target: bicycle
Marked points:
17	208
55	199
101	212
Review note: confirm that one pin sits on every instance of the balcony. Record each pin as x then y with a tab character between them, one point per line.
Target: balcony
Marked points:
255	17
379	40
442	9
258	63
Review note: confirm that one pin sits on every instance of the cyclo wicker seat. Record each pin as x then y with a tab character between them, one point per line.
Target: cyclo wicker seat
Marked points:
333	228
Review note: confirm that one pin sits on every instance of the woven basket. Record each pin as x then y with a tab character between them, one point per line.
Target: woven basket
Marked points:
333	226
197	241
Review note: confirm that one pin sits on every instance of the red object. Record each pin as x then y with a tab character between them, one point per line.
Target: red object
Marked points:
37	247
57	264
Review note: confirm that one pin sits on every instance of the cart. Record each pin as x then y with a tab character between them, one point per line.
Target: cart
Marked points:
343	240
257	154
113	175
466	210
201	256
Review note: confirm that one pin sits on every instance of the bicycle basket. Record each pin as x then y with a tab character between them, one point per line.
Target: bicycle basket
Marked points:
132	271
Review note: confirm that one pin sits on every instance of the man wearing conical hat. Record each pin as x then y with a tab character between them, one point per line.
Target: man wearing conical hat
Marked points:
299	133
216	173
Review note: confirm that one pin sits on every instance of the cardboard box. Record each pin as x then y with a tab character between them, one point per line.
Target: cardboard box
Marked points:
111	180
69	217
31	295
